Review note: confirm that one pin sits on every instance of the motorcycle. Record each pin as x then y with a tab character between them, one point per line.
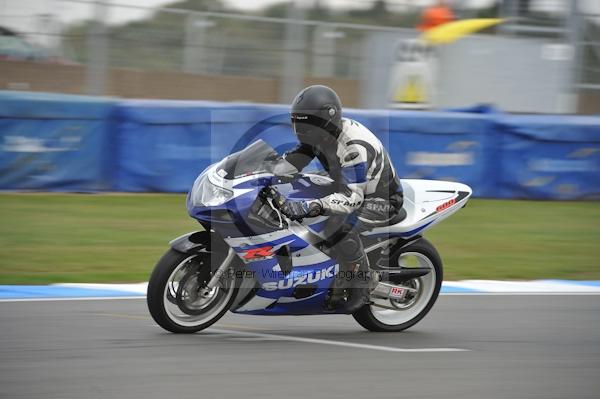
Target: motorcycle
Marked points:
250	259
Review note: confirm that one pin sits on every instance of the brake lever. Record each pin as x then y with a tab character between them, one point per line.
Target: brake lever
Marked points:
277	211
272	193
271	196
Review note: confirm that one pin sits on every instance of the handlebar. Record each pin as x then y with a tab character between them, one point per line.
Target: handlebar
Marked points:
270	192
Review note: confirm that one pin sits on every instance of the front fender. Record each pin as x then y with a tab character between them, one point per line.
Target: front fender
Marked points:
199	241
192	243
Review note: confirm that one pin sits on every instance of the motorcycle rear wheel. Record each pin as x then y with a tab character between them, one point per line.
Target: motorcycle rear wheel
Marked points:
400	315
176	299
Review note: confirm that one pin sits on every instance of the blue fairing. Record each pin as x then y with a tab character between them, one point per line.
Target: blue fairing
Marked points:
264	274
233	222
237	223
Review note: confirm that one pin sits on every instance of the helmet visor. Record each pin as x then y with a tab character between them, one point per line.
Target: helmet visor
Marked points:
308	128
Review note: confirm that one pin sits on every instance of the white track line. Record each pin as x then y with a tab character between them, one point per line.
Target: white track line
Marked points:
90	298
334	343
518	293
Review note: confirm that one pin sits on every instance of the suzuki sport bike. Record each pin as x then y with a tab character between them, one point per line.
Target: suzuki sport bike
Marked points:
250	259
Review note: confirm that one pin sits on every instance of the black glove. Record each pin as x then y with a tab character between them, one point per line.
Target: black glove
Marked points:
298	210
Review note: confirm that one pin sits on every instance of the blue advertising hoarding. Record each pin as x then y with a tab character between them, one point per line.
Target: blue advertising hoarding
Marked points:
74	143
54	142
549	157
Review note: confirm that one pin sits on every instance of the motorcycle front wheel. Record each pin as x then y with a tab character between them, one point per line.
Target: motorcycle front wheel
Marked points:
177	298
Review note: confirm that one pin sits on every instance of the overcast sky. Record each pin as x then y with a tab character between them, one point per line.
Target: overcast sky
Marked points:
23	15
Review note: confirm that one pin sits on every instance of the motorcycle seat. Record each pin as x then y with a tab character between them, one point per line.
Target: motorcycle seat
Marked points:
377	212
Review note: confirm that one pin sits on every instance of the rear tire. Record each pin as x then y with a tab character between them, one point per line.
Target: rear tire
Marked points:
169	300
381	320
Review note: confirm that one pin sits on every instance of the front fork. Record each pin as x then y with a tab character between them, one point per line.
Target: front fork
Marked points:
203	241
212	283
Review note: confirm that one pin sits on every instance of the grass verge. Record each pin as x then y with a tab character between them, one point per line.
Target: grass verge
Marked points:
47	238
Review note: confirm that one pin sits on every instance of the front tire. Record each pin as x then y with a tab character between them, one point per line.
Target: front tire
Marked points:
398	316
175	297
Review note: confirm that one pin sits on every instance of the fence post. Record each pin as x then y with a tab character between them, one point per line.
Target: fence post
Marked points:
97	45
323	46
195	56
292	77
575	24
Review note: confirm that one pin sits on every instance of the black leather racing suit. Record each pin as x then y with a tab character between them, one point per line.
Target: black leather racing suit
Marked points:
361	169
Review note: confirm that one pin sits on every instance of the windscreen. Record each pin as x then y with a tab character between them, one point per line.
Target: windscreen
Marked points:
256	158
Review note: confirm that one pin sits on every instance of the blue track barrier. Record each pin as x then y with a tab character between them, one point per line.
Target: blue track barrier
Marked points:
444	146
54	142
75	143
549	157
164	146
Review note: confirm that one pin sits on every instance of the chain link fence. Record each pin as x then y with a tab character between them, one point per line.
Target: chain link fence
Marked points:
120	49
170	39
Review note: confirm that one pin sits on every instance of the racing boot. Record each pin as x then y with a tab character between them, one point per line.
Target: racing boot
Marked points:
351	289
360	289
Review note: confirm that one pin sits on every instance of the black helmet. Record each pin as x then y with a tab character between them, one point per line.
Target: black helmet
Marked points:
316	115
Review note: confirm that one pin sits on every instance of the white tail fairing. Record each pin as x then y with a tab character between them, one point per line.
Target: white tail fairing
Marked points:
426	202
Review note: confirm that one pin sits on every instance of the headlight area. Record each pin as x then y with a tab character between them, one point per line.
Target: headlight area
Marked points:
205	193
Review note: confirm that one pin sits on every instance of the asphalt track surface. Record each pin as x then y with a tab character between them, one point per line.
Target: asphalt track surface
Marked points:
469	346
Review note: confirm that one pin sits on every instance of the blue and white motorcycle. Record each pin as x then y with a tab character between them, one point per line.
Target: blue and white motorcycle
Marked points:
250	259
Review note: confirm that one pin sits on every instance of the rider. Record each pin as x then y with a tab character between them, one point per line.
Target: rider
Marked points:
364	178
